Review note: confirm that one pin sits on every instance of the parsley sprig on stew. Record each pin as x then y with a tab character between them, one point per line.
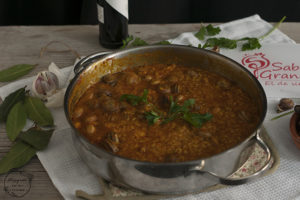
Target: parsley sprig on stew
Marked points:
135	100
176	111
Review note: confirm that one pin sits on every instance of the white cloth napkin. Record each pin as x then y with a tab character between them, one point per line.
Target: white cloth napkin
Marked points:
69	173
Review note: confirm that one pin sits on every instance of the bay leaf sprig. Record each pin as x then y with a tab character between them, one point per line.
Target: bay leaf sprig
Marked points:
19	154
16	121
18	107
37	138
10	101
38	112
15	72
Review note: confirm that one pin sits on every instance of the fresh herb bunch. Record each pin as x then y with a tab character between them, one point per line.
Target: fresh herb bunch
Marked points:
248	43
176	111
16	108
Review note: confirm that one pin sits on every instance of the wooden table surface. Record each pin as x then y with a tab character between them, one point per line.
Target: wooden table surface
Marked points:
22	44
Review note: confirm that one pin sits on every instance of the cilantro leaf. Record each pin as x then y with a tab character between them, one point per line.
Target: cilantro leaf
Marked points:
221	42
201	33
183	112
208	30
176	108
135	100
133	42
252	43
138	42
211	31
144	96
130	98
196	119
126	41
152	117
163	42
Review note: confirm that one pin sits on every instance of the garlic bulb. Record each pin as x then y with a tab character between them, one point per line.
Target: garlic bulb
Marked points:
45	84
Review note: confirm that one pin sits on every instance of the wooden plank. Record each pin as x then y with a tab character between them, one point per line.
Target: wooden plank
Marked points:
22	44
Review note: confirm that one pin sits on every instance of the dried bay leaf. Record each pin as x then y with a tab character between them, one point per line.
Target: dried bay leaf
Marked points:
16	121
15	72
19	154
39	139
38	112
10	101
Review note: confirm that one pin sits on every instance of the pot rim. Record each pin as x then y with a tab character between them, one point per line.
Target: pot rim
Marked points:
111	55
293	130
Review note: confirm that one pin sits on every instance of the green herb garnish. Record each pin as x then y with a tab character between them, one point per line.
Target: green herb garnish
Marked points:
163	42
133	42
208	30
175	111
135	100
138	42
221	42
152	117
196	119
249	43
126	41
183	112
252	43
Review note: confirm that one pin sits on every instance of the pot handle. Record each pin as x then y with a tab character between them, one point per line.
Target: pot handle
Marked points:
237	181
83	63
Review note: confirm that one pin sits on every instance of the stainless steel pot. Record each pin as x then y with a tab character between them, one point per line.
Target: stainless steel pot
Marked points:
165	178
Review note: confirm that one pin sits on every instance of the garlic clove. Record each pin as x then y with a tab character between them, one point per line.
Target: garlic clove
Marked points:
62	78
45	84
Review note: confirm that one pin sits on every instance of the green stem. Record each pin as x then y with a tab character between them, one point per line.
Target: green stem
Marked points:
284	114
275	27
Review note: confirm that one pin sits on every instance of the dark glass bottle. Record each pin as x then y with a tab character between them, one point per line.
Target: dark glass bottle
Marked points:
113	26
